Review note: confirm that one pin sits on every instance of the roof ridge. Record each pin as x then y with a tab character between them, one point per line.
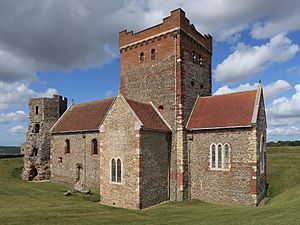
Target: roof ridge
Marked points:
232	93
94	101
136	101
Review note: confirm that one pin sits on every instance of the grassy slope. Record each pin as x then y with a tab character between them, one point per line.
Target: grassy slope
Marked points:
44	203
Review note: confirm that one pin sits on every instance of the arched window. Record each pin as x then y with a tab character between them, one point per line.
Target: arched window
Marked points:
67	147
94	146
213	155
59	160
116	171
153	54
119	170
226	156
36	110
142	57
113	170
194	56
36	128
34	152
161	108
219	156
262	155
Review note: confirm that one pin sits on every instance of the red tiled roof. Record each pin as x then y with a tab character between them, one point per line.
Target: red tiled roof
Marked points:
148	116
220	111
83	117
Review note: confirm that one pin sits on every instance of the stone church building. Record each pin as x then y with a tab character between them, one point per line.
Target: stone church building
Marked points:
164	137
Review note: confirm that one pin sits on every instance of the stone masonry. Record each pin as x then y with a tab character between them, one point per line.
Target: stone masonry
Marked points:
44	112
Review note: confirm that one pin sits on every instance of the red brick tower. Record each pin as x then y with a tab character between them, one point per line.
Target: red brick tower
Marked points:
170	65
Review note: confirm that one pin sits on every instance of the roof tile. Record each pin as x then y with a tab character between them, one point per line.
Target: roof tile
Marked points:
220	111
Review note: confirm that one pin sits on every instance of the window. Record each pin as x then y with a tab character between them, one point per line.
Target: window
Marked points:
142	57
220	157
67	146
34	152
59	160
200	60
226	156
36	128
116	171
213	156
153	54
192	83
194	56
262	155
94	146
36	110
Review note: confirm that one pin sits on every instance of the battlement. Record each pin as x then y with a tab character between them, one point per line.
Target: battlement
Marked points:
175	23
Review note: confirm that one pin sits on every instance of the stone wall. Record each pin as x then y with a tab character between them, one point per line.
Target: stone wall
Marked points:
155	162
261	131
44	112
120	135
227	187
64	167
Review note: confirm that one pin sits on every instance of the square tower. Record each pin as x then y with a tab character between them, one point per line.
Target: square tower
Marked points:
170	65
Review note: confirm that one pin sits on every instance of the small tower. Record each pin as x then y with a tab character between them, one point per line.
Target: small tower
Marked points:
44	112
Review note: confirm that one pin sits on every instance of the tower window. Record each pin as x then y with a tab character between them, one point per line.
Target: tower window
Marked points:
36	128
94	146
201	86
34	152
153	54
192	83
67	146
142	57
194	56
36	110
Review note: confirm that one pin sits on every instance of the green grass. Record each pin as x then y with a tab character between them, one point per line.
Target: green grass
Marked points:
44	203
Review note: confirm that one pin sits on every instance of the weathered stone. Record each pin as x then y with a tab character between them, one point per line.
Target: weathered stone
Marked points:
44	112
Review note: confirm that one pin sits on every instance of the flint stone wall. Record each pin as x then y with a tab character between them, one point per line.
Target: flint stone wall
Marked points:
66	171
226	187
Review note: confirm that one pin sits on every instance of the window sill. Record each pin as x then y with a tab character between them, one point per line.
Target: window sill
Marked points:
117	183
219	169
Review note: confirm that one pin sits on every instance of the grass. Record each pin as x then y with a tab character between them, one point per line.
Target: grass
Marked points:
44	203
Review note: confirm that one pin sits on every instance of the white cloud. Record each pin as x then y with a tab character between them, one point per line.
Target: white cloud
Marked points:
109	94
270	91
17	130
17	116
286	107
90	28
289	131
19	93
246	61
285	23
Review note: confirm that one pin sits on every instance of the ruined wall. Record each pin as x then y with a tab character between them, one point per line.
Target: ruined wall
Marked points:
236	186
64	167
44	112
120	140
155	159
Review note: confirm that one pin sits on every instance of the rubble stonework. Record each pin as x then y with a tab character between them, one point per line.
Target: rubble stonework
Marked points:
44	112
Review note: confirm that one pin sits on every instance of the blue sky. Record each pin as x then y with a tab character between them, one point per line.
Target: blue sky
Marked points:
71	48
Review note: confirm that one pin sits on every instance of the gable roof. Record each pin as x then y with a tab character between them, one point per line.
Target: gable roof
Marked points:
224	111
83	117
148	116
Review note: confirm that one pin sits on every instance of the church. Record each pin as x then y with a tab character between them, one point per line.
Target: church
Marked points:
164	137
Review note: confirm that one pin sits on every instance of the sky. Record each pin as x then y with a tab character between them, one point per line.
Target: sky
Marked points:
70	47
